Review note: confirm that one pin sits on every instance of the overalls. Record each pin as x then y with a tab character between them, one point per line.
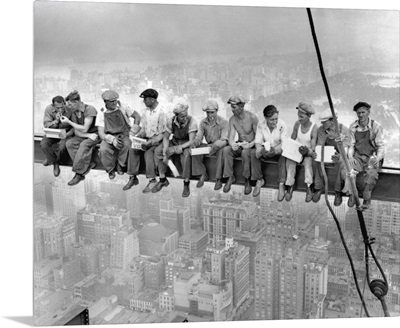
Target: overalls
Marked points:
115	124
363	150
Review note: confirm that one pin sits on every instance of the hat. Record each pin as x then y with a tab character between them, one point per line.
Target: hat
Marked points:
234	100
180	108
210	105
305	108
74	95
326	115
149	93
360	105
110	95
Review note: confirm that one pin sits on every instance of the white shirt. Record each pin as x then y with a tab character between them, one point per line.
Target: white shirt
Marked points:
275	136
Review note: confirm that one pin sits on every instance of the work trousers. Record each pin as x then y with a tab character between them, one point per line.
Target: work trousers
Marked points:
198	167
183	161
109	155
291	170
362	166
53	148
149	159
228	156
319	182
256	171
80	150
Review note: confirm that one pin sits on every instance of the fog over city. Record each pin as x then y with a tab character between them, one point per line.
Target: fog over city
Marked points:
91	33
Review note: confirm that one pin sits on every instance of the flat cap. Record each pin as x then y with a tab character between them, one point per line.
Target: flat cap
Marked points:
234	100
149	93
180	108
361	104
74	95
210	105
305	108
327	114
110	95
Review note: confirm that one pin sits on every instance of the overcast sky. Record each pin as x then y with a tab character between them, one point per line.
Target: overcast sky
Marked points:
66	33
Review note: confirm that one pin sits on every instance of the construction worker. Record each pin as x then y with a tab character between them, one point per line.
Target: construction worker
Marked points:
113	125
214	129
268	143
305	132
54	148
80	147
327	135
183	129
153	121
244	123
366	152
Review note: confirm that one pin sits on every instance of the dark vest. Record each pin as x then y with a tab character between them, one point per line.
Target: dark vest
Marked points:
181	134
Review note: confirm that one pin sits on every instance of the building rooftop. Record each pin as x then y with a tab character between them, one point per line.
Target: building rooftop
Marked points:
155	232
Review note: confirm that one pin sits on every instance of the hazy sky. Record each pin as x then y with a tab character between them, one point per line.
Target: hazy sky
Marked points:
67	33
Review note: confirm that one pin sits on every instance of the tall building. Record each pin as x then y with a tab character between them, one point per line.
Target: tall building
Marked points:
225	217
88	255
154	272
174	218
155	239
39	198
97	223
66	200
124	247
194	241
67	274
315	284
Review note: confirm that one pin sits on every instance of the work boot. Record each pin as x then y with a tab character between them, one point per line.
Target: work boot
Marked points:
133	181
257	188
366	204
186	189
289	193
351	201
200	183
229	183
120	169
56	169
281	191
159	185
247	187
367	193
92	165
46	162
150	186
338	198
111	174
309	194
218	184
76	179
317	195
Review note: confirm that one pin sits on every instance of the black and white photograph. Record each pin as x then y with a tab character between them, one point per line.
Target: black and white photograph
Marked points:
208	163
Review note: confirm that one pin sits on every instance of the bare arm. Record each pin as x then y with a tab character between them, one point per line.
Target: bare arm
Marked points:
165	141
232	132
295	128
192	135
81	128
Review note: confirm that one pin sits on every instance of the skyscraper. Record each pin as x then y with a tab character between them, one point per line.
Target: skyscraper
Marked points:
124	247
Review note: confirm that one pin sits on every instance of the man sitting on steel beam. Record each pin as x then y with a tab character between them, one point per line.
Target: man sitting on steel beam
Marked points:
268	144
183	129
114	125
366	151
80	147
53	148
214	129
244	123
326	135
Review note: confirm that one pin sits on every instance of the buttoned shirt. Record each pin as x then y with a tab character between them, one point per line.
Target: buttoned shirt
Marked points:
153	122
264	134
376	136
50	115
212	131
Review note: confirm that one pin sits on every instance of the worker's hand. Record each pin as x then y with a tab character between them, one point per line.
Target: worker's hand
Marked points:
63	134
235	147
135	129
303	150
336	158
271	153
64	120
246	145
374	161
352	161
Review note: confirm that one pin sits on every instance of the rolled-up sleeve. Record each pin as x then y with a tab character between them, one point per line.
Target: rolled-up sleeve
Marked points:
48	118
193	126
225	130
